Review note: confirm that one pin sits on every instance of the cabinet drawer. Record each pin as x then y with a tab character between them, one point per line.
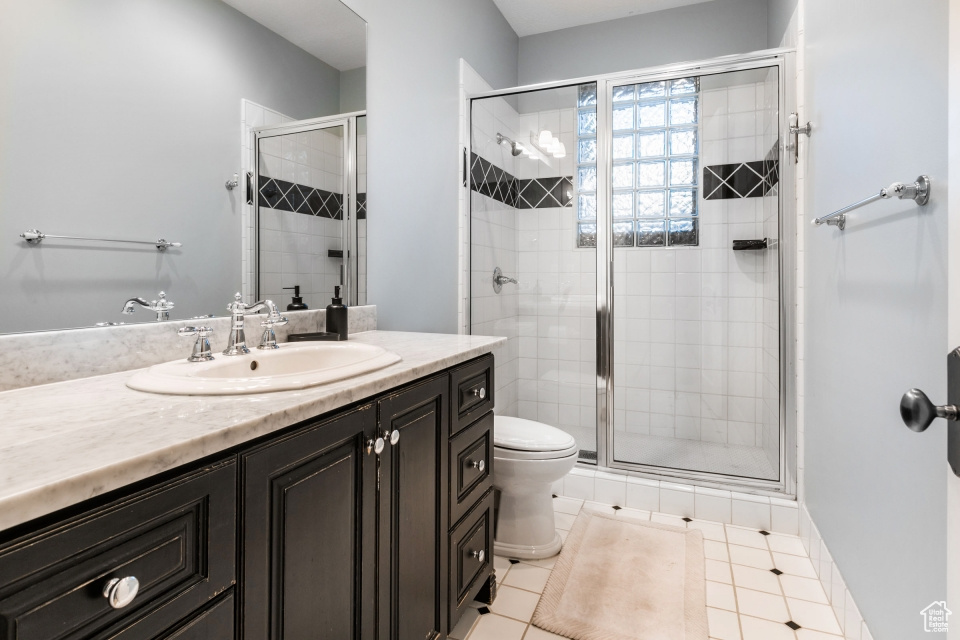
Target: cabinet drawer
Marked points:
471	556
471	466
472	388
177	540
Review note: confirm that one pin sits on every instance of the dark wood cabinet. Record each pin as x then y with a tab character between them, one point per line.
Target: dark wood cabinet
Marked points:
309	532
177	540
413	511
370	523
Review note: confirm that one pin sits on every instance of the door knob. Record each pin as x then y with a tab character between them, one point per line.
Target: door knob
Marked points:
918	412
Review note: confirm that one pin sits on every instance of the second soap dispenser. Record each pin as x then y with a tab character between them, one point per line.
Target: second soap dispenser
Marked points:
336	315
297	304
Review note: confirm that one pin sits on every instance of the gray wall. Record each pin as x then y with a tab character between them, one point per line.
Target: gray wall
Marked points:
414	161
692	32
875	302
121	118
779	13
353	90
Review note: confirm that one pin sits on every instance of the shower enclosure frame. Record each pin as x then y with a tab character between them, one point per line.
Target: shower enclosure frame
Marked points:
784	60
349	231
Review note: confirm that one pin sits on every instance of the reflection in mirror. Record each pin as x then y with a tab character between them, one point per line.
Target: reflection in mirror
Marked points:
301	212
120	122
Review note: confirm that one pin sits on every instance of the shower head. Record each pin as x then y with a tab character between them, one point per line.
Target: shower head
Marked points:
515	149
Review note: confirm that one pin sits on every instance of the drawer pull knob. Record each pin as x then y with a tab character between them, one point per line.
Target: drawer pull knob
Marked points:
395	436
480	393
376	446
479	465
479	555
120	592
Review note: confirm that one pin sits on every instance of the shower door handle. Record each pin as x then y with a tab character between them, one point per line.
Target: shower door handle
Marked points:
918	412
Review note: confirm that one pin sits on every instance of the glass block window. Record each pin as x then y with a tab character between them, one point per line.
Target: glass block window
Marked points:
586	174
655	150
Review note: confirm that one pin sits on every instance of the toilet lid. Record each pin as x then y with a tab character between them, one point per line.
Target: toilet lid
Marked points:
527	435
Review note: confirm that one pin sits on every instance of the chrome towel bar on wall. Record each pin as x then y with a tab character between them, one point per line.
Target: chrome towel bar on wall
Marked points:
34	236
919	192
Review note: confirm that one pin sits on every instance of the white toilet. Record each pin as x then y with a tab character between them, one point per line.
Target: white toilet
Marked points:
530	456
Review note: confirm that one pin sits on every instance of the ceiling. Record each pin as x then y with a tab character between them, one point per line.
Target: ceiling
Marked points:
528	17
327	29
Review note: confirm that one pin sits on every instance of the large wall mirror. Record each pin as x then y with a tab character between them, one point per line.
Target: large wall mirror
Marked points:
138	121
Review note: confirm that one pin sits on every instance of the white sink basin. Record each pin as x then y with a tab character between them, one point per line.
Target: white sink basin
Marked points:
289	367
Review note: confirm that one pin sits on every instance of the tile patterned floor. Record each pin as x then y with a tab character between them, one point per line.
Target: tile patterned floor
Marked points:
756	584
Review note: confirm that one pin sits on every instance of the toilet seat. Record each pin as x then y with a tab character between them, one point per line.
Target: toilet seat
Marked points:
502	453
528	436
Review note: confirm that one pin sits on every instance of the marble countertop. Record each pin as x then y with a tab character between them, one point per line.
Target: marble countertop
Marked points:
65	442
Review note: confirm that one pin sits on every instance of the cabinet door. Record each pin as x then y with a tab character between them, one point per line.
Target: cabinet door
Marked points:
413	512
309	532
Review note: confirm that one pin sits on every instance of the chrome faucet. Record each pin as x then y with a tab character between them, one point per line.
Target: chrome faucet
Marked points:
161	307
237	340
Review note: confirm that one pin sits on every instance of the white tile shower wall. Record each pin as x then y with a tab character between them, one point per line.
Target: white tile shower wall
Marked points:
493	234
558	284
293	246
690	319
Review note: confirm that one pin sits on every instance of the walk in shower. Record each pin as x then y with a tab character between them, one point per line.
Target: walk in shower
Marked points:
647	219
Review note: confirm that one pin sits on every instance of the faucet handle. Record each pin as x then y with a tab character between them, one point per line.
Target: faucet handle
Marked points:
201	348
237	306
274	320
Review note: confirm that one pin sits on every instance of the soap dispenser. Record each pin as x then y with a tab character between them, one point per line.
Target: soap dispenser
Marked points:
297	304
337	315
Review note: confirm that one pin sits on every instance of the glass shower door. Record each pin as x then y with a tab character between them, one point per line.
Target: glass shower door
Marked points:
696	347
533	209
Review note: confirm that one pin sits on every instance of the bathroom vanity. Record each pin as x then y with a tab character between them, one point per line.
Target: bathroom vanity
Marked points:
361	509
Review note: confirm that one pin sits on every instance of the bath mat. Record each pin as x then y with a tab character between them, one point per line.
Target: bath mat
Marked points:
622	579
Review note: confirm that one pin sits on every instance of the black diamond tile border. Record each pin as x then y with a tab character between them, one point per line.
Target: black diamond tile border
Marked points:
687	519
764	533
793	625
538	193
616	508
743	180
361	206
512	561
287	196
776	572
483	611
